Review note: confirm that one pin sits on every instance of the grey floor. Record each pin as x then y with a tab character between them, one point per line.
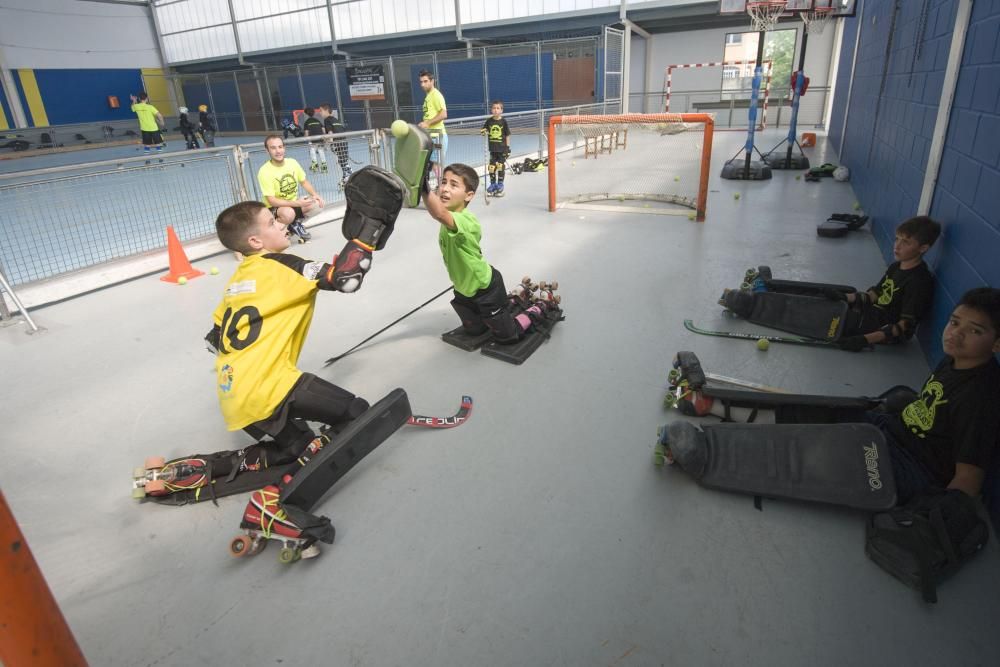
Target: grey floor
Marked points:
538	533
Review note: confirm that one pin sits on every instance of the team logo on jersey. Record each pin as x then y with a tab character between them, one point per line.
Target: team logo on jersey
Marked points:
288	187
887	292
919	415
242	287
226	378
496	132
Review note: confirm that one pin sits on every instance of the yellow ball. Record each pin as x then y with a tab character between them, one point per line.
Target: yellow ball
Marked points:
182	281
763	344
799	177
399	128
214	271
677	178
857	206
690	216
736	195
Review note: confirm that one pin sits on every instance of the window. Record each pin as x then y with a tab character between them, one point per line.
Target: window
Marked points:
734	38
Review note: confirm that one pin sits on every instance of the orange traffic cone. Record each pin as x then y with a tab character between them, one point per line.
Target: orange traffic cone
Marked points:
180	267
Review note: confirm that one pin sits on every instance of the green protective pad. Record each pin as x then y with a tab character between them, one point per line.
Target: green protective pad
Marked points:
412	151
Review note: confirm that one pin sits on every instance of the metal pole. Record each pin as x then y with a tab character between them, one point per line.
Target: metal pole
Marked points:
211	100
333	32
236	33
538	100
17	302
267	104
395	93
486	82
336	92
239	102
302	89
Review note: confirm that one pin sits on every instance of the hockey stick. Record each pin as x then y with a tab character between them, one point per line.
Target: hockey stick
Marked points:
464	410
791	340
332	360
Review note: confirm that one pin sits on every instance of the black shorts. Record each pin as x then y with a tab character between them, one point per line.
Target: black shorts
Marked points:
497	156
311	399
151	138
298	211
487	300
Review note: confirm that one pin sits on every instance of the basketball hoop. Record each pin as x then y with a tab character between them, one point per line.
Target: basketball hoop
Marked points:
764	14
817	19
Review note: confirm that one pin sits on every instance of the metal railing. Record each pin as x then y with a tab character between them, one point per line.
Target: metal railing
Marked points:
62	219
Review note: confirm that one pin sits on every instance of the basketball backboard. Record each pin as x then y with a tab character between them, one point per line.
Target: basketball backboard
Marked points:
792	8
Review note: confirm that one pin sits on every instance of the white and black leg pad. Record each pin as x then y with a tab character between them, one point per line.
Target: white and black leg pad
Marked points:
840	464
361	436
374	199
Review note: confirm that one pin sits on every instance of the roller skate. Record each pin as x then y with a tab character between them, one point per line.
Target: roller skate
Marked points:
755	279
661	451
491	190
498	190
524	293
324	168
547	293
314	167
263	520
159	477
300	231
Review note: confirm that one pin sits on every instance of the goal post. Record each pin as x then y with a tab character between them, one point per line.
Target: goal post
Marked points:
663	160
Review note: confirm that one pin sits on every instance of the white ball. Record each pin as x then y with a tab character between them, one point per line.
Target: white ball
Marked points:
842	174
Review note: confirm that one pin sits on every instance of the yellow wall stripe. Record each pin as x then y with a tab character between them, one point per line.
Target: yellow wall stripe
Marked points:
4	125
156	88
33	97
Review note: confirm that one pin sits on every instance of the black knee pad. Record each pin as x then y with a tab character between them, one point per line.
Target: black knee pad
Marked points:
358	407
739	301
505	329
471	320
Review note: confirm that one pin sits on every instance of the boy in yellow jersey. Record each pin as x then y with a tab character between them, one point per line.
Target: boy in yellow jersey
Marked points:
481	300
260	327
150	122
279	179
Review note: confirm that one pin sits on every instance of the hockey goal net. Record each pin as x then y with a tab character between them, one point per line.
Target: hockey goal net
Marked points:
611	162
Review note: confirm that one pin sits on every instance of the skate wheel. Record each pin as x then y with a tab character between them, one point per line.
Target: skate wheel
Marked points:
746	286
139	473
287	555
138	492
156	487
257	546
241	546
526	281
154	462
554	284
674	375
557	299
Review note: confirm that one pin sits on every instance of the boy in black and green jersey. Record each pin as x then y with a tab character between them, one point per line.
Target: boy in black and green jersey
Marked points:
498	135
480	297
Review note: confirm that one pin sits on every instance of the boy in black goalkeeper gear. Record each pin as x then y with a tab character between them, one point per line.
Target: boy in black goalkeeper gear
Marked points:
498	135
889	311
947	437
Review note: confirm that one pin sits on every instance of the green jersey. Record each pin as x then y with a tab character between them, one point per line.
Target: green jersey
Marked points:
147	116
468	270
